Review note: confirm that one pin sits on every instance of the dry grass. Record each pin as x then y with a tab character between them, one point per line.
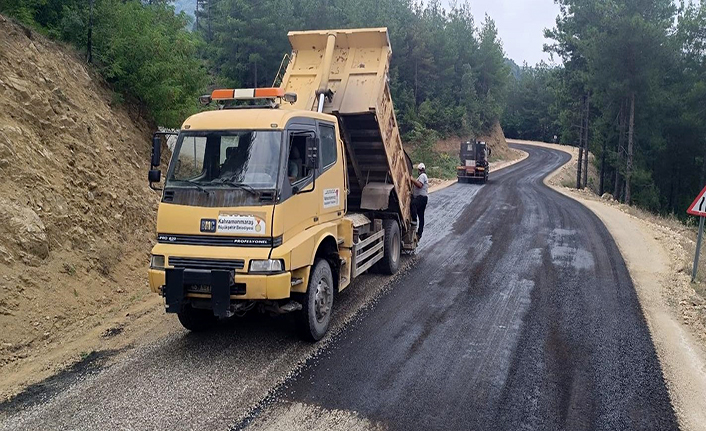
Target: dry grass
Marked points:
107	257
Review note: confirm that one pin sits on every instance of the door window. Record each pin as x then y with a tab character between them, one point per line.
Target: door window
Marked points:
296	165
327	134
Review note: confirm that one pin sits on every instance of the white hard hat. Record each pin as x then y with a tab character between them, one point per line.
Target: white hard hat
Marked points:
421	166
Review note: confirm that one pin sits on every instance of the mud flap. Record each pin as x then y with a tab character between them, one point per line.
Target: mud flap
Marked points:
174	289
376	196
220	292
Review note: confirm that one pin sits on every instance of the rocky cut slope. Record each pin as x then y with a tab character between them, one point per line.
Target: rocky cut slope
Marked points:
76	213
495	140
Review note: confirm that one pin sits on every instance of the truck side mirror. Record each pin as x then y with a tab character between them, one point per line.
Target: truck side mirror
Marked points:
154	176
312	152
156	150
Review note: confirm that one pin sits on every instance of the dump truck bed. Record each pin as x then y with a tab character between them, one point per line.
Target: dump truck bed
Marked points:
361	102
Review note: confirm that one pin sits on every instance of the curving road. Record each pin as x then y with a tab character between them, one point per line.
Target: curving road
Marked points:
517	313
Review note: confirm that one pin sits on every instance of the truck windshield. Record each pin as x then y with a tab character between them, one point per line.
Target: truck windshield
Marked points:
226	159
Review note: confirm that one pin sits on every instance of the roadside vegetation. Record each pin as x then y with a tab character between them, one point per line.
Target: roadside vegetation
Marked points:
635	72
632	79
448	74
142	49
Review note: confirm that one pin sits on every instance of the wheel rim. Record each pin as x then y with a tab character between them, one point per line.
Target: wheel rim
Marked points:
322	300
395	248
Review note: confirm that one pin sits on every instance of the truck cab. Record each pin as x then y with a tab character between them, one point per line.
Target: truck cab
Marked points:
277	206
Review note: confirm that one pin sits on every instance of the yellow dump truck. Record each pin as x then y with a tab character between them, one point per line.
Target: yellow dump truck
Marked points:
281	197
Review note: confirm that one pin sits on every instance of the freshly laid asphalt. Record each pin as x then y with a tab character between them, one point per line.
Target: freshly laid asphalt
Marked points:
518	312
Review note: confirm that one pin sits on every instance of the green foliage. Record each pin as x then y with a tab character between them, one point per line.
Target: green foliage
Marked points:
146	53
446	73
531	111
142	49
646	192
493	73
41	14
439	165
69	269
612	50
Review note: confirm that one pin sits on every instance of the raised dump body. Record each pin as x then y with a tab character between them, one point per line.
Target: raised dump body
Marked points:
360	99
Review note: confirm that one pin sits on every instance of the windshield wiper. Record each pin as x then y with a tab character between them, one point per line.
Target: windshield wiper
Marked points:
197	185
232	183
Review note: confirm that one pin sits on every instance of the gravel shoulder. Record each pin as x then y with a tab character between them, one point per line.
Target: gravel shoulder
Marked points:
656	265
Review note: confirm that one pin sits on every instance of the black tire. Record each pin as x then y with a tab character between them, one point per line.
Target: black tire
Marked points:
315	316
390	262
197	320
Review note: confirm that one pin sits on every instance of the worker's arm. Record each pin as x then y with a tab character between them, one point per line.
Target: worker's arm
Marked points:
416	182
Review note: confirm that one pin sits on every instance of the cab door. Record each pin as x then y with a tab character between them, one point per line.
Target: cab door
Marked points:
331	177
301	196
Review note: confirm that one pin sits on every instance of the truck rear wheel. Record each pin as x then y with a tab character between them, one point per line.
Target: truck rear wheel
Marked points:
390	263
315	316
196	320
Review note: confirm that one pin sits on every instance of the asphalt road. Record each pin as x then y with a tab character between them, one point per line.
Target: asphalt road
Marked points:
520	314
517	313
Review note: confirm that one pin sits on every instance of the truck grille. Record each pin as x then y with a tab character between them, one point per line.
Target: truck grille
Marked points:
198	263
216	240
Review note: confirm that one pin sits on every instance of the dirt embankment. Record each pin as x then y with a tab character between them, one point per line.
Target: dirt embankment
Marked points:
659	252
501	154
76	215
495	140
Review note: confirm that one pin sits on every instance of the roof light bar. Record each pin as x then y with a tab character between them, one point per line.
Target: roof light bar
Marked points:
222	94
269	92
247	93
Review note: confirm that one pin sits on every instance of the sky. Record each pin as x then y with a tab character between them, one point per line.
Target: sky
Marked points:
520	24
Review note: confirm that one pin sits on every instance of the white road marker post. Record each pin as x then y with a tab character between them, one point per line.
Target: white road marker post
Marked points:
698	208
698	249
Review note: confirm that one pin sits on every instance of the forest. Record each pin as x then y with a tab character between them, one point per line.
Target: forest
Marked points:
631	85
627	81
448	74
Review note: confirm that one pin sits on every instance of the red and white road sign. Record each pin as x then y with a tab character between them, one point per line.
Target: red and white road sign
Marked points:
698	208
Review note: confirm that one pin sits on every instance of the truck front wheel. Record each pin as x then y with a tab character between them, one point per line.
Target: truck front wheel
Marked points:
315	316
196	320
390	263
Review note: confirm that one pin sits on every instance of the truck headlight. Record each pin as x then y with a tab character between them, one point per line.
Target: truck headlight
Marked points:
157	262
267	266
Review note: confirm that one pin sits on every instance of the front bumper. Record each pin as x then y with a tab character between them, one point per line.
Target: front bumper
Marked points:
241	286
